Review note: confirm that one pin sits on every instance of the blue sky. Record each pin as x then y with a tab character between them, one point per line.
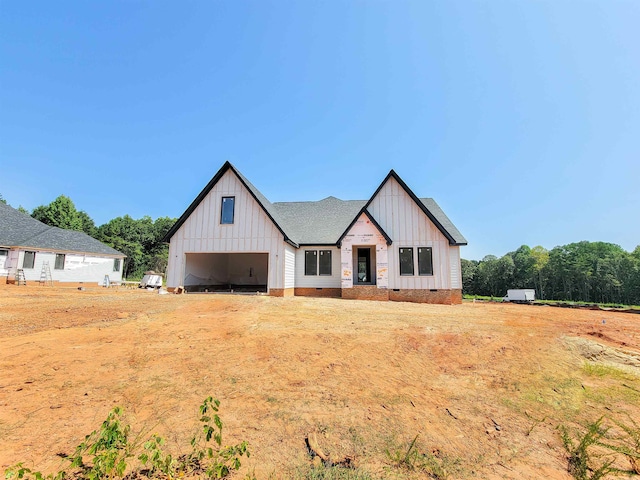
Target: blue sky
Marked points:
521	118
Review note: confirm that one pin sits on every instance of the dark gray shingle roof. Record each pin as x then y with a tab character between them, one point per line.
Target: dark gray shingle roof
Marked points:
320	222
18	229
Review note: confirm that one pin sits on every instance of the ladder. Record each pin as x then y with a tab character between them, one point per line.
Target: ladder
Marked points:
45	275
20	280
106	282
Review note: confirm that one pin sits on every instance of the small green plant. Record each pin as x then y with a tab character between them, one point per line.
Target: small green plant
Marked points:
109	447
159	461
410	458
214	462
627	444
404	458
582	462
105	453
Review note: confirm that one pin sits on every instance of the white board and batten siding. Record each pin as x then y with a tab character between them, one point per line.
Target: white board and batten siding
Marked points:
252	231
408	226
318	281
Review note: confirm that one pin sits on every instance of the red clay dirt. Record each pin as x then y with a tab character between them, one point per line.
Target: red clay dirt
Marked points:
484	386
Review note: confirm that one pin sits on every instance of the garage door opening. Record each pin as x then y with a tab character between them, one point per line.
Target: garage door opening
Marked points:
226	272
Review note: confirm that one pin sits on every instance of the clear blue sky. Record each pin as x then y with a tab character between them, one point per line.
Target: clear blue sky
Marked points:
521	118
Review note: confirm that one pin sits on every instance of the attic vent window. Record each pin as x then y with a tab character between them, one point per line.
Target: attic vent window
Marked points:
228	204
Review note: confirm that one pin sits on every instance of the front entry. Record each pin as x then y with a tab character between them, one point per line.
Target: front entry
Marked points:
364	274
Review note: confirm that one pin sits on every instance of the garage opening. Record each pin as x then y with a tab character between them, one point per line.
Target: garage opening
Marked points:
226	272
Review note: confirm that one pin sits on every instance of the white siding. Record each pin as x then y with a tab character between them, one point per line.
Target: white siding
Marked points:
252	231
408	226
318	281
289	267
454	262
77	268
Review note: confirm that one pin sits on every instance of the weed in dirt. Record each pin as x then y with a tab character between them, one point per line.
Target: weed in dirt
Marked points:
583	463
627	443
332	473
409	457
597	452
105	454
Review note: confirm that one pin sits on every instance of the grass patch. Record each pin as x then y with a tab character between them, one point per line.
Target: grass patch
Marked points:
594	369
332	473
413	457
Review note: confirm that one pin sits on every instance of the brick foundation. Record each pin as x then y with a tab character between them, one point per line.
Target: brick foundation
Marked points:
443	297
281	292
365	292
318	292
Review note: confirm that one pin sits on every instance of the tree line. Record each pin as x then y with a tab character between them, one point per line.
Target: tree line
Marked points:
596	272
140	240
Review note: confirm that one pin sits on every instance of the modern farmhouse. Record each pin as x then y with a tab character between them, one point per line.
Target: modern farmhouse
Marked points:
31	251
394	246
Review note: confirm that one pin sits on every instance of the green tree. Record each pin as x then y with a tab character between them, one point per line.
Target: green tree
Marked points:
88	225
140	240
540	257
469	269
60	213
2	200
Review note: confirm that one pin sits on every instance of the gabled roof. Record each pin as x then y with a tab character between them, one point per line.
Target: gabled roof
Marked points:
364	211
18	229
324	222
266	205
430	209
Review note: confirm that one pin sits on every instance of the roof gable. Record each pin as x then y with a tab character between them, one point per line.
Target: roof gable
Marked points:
430	208
365	212
265	204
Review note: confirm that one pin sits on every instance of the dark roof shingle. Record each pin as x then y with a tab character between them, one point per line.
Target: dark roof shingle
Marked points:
18	229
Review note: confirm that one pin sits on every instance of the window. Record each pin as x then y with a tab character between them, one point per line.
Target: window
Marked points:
425	261
228	204
59	261
324	262
29	259
116	264
311	262
4	253
406	261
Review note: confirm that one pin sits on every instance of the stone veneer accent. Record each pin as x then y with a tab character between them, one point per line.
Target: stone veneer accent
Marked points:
318	292
281	292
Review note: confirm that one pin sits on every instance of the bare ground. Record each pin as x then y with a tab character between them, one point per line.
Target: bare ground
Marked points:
485	386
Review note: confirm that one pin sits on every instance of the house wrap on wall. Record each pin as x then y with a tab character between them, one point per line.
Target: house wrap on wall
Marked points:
72	257
394	246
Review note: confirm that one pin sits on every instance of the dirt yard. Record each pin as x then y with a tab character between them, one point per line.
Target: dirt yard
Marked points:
484	386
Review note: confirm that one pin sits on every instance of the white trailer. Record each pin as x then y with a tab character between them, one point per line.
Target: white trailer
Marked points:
520	295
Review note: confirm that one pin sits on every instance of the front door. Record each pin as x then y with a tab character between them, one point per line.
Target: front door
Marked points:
364	265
